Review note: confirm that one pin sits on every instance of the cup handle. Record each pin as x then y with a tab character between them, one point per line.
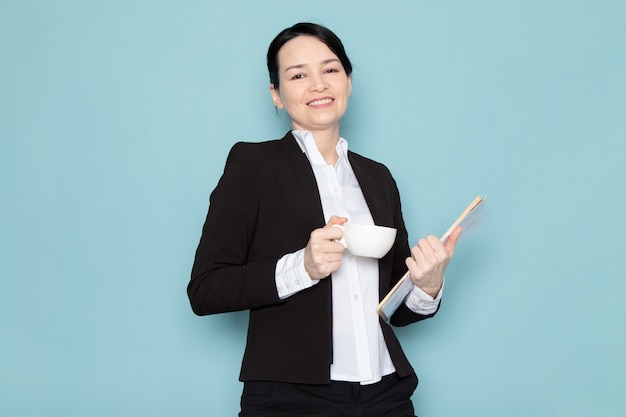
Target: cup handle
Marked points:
342	240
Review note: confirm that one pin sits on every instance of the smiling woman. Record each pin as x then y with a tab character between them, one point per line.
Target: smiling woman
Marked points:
314	90
269	245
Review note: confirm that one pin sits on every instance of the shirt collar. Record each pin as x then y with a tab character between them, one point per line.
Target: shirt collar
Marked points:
305	140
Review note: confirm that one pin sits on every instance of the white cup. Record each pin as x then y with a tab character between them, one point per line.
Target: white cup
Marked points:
367	240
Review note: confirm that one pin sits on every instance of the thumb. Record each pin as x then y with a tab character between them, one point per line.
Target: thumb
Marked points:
453	239
336	220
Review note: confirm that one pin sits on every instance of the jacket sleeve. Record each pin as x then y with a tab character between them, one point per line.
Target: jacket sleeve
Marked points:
222	278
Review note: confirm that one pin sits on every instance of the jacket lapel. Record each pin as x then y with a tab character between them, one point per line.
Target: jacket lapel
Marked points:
374	190
376	193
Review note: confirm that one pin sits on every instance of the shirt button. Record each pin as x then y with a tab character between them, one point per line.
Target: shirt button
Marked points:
356	297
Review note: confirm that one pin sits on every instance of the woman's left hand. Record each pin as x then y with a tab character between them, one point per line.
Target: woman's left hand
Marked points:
429	261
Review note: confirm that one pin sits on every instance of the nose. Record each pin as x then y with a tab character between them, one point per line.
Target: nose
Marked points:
318	83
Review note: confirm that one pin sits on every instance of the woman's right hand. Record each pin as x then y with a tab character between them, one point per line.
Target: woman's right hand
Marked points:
322	255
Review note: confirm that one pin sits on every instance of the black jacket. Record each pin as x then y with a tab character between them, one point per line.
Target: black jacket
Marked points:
265	205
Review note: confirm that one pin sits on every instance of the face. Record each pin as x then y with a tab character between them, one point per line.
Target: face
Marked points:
314	87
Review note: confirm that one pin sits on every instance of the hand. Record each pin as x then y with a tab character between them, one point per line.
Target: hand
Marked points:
322	255
429	260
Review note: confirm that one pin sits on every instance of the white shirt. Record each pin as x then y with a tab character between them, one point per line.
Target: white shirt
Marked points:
359	350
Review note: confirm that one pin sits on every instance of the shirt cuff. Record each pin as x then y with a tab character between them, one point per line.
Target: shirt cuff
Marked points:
291	277
420	302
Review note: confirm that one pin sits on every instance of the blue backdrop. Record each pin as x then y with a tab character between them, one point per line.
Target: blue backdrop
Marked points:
115	121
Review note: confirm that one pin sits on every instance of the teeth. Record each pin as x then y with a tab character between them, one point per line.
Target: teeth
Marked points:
320	102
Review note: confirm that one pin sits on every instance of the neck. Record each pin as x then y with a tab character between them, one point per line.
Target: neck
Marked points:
326	141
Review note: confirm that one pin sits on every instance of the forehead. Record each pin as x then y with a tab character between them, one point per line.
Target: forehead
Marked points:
304	50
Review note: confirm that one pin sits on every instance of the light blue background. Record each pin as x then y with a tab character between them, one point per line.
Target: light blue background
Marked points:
115	121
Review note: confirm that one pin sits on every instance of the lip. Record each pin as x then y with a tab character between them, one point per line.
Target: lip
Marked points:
321	102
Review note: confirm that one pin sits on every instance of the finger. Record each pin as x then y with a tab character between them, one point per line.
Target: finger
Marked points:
453	239
335	232
327	263
332	233
336	220
326	234
435	244
415	270
412	266
334	248
431	248
333	257
418	252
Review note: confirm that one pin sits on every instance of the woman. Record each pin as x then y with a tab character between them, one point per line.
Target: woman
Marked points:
315	343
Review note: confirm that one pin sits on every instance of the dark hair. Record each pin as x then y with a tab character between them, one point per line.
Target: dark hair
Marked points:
325	35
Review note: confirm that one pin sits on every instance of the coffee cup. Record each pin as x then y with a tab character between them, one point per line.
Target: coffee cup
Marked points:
366	239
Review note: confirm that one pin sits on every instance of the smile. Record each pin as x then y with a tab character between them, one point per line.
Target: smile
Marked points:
320	102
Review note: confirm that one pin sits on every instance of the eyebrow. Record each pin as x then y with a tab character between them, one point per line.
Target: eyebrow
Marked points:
324	62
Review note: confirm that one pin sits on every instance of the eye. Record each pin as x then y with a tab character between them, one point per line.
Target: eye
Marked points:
331	70
298	76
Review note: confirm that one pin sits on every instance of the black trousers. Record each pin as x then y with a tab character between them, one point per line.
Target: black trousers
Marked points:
391	397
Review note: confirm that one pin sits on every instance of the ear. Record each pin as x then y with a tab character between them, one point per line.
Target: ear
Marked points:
349	85
276	97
